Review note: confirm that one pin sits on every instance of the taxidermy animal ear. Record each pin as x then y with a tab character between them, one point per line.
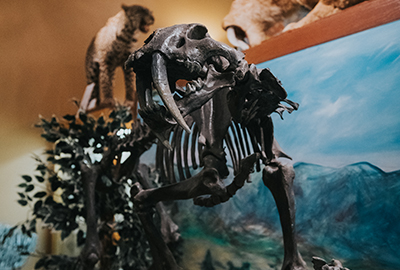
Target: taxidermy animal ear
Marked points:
124	7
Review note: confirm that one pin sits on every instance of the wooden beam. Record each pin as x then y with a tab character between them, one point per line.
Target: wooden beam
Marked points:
358	18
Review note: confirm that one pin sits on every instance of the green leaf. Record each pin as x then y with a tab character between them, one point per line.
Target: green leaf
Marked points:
106	181
27	178
115	125
40	194
49	152
83	117
41	167
9	234
42	212
101	121
80	240
22	195
68	117
128	118
55	185
113	114
40	179
22	185
29	188
32	225
54	122
98	150
37	206
64	131
22	202
49	201
40	263
50	137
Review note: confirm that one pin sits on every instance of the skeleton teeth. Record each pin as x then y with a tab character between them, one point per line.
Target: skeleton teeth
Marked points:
190	87
195	85
198	83
149	97
160	81
204	71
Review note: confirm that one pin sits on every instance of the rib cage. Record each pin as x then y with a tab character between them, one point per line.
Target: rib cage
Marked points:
241	143
185	154
186	151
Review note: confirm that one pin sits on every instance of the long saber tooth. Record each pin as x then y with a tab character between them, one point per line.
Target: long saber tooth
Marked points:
160	79
142	87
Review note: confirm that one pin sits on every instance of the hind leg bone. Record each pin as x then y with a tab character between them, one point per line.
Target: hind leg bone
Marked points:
279	180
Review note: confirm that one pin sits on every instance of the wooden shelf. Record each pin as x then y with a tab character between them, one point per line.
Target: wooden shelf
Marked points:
361	17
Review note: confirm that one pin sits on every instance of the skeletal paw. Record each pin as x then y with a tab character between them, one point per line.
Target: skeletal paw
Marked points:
246	168
136	189
159	121
321	264
169	230
213	183
107	103
221	192
90	254
139	197
247	164
157	117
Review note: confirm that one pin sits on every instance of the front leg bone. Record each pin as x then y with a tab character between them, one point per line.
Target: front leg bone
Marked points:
207	182
168	228
91	252
162	256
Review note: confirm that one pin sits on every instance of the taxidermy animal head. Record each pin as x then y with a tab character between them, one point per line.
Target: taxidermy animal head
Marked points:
140	17
250	22
108	50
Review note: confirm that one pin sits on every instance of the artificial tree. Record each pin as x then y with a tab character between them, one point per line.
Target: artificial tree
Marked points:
87	152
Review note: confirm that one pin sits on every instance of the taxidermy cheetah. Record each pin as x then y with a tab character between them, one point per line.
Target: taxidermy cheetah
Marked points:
108	50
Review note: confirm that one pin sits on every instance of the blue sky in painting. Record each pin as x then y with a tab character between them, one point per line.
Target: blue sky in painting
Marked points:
349	94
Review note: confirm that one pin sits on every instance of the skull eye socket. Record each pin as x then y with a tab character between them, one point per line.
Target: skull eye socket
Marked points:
181	42
198	32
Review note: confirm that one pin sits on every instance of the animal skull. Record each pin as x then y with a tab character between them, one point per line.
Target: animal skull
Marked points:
184	52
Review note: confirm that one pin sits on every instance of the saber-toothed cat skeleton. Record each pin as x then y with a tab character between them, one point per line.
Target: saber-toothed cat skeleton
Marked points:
225	101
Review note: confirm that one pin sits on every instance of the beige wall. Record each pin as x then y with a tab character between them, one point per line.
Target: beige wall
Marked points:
42	49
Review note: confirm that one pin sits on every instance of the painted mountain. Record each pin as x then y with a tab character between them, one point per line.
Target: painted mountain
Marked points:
12	247
350	213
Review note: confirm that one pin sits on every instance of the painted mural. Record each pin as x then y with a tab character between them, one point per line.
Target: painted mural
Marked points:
345	145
